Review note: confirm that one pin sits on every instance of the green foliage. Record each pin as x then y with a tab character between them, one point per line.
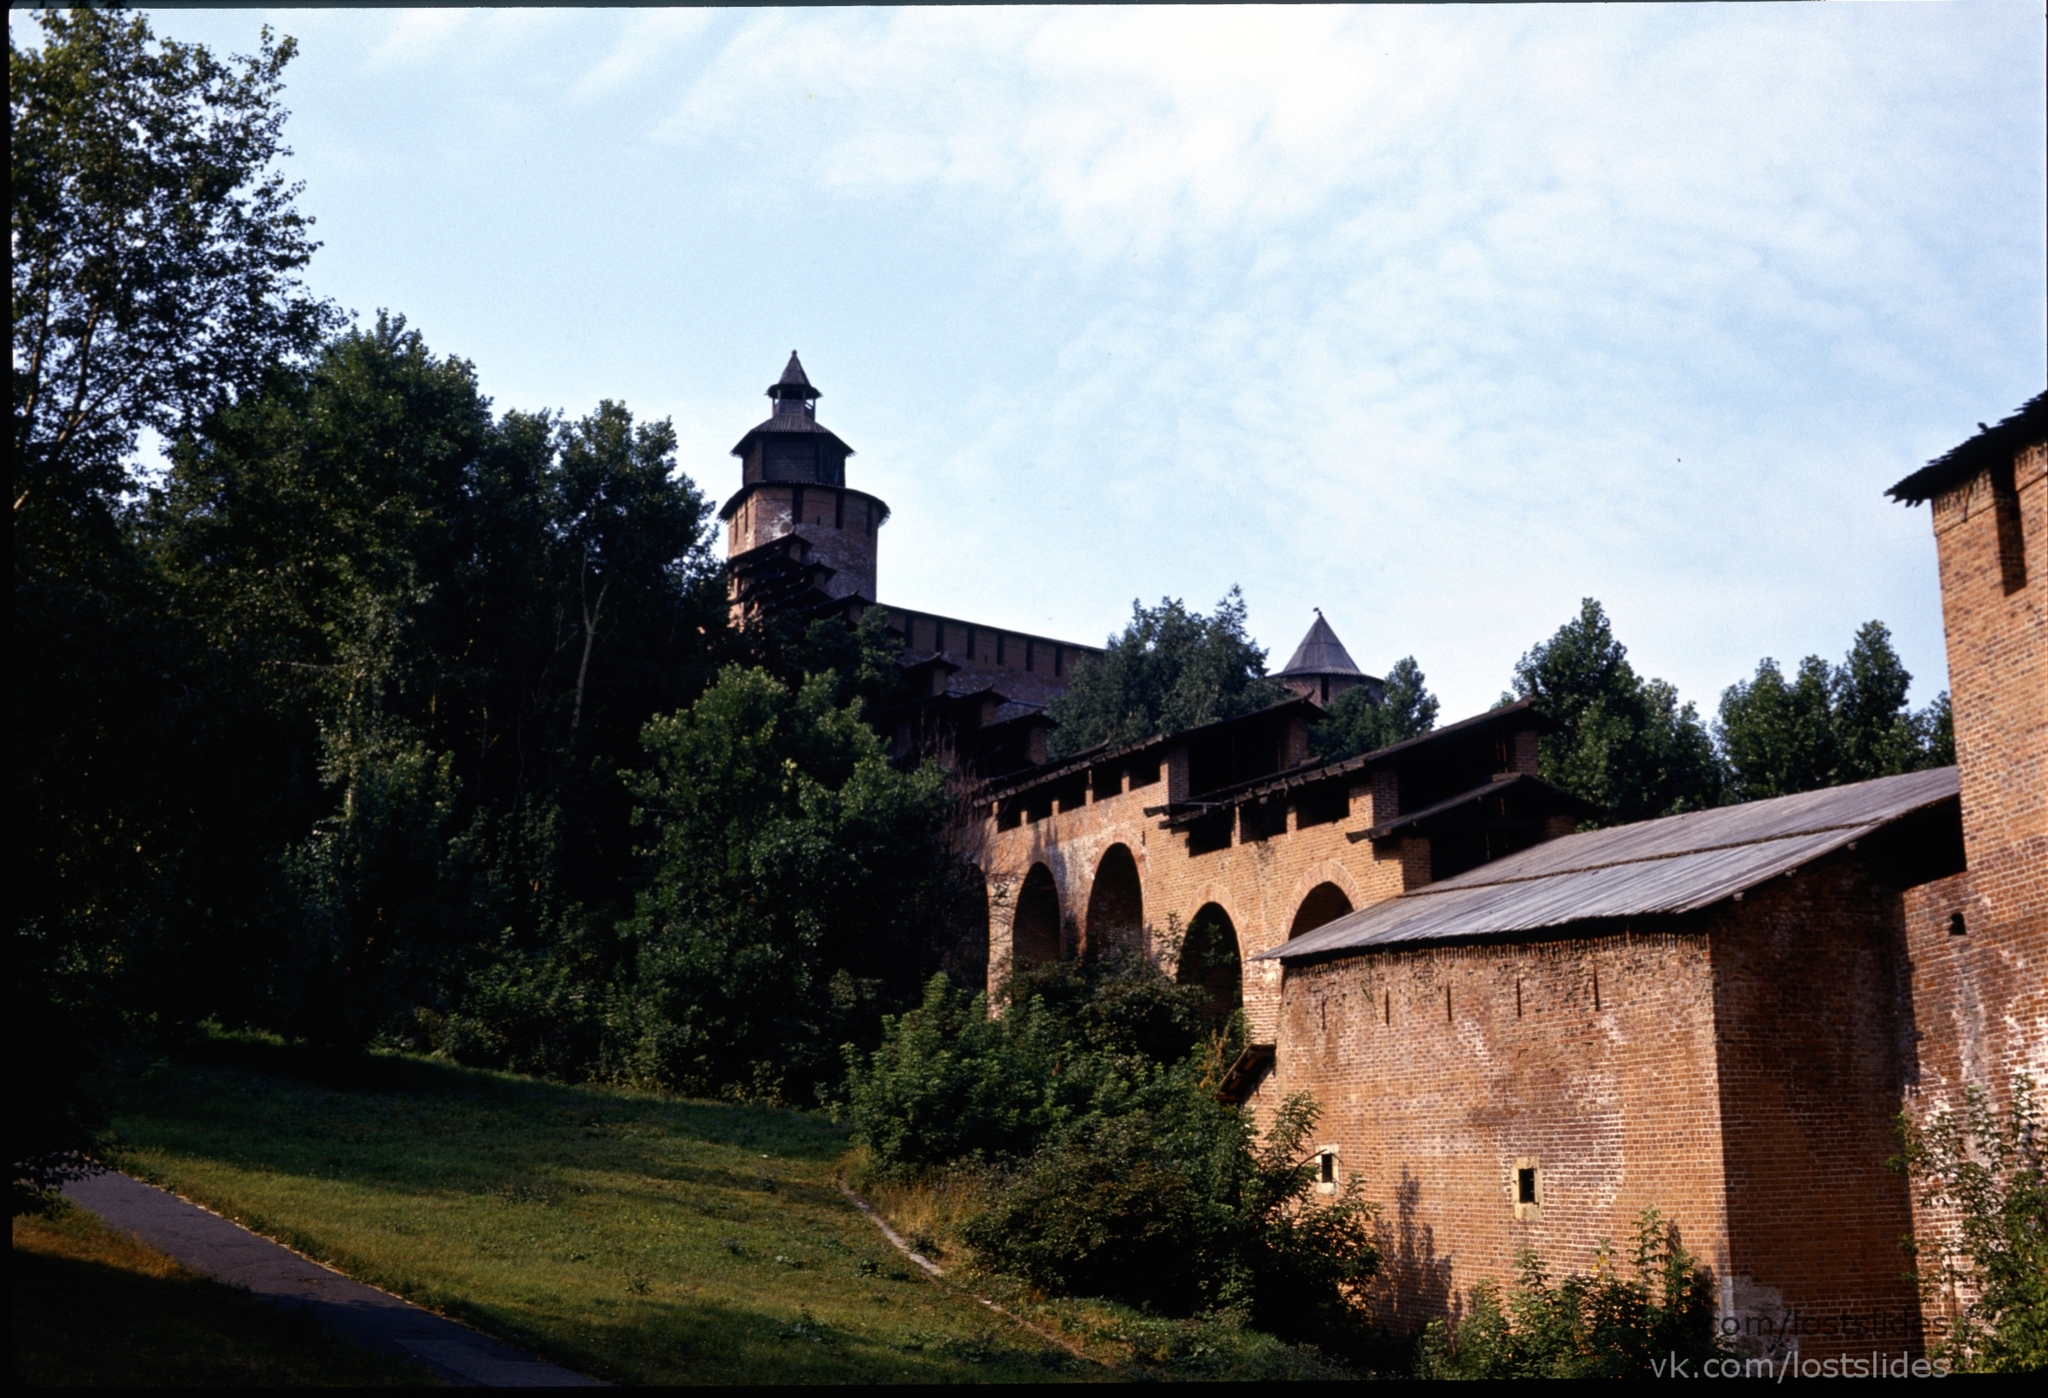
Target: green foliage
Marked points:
795	870
153	261
154	247
1597	1326
1171	669
1359	723
1986	1169
1829	724
1625	743
1116	1172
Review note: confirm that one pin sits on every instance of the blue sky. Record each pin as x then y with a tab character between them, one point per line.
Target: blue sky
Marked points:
1438	318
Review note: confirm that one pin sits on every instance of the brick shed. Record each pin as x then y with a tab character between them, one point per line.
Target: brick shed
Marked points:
1700	1014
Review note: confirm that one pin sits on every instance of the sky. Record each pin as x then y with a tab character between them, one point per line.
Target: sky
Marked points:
1437	318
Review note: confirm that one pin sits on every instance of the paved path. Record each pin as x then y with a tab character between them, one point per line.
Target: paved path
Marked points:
374	1319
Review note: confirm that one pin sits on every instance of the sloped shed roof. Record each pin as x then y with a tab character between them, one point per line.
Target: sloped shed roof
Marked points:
1674	865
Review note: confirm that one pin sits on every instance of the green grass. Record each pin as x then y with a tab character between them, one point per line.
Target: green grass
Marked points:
638	1238
95	1308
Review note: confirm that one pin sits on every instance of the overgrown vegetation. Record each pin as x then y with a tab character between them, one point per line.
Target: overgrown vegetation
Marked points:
1083	1122
1982	1170
1597	1325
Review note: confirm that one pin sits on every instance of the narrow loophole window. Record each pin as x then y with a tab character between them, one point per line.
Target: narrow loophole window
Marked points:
1525	1185
1956	926
1327	1162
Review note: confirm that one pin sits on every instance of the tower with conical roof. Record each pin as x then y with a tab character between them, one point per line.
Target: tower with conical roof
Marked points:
1321	669
793	501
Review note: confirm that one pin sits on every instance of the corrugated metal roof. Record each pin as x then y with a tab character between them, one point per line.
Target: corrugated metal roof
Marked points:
1673	865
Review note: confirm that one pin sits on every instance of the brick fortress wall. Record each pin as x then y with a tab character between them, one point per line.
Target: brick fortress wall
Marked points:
1976	944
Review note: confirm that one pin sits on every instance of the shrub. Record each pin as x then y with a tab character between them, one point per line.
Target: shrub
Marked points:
1113	1170
1597	1326
1986	1166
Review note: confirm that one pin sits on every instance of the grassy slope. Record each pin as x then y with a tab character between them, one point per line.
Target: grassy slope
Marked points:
637	1238
95	1308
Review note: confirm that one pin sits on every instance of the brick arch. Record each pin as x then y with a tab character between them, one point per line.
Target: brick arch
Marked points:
1116	904
1326	871
1212	956
1036	919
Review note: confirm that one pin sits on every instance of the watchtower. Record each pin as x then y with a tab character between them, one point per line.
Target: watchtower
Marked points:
793	483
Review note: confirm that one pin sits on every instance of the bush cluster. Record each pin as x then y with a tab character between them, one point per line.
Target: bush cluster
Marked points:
1088	1103
1597	1325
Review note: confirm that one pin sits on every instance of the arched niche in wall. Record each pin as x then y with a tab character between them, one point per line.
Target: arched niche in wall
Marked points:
1325	903
1035	928
1209	957
1116	906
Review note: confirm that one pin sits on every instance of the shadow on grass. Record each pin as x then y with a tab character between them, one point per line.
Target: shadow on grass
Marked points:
94	1308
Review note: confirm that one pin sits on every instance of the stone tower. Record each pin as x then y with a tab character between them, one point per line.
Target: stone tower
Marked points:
793	483
1321	669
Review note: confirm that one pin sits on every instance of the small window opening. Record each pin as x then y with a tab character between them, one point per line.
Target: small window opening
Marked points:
1525	1185
796	505
1596	991
1518	999
1447	1004
1956	926
1387	1009
1326	1170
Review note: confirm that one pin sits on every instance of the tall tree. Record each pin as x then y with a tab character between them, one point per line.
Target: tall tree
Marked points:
155	249
1171	669
1358	722
1828	724
1624	742
154	254
796	875
455	624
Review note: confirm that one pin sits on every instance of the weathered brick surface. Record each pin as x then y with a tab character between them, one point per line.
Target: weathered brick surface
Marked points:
842	526
1977	990
1738	1071
1261	884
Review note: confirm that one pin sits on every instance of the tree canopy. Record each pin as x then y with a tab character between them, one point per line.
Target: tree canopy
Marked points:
1624	743
1169	670
1358	722
1829	724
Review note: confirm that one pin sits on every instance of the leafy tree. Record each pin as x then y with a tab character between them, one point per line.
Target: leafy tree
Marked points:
153	260
1625	743
1171	669
1597	1326
415	591
154	247
1985	1168
795	871
1359	723
1829	724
